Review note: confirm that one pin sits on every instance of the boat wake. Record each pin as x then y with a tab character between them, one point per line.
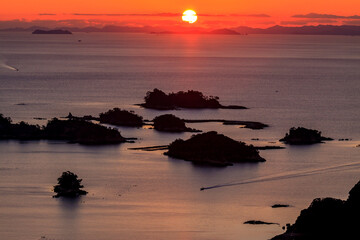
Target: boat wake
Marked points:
3	64
9	67
289	175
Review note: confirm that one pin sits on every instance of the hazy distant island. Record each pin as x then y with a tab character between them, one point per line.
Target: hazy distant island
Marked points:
327	218
303	136
57	31
214	149
69	186
303	30
159	100
120	117
171	123
351	30
74	131
222	31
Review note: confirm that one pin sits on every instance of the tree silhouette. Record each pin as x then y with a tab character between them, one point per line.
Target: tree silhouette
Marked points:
69	186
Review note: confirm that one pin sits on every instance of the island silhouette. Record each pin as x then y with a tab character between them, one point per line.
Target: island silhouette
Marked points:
120	117
69	185
171	123
214	149
303	136
71	130
159	100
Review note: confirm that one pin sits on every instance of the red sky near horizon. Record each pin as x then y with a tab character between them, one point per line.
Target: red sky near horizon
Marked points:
161	13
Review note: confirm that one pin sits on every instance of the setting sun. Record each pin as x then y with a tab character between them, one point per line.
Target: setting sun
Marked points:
189	16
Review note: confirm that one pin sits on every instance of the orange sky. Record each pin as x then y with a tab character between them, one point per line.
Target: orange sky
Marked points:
255	13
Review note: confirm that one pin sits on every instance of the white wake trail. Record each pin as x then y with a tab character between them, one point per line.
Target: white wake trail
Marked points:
291	174
4	65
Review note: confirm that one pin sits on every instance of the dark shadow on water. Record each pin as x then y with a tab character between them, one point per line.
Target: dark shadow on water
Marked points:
196	166
70	205
69	211
305	147
206	168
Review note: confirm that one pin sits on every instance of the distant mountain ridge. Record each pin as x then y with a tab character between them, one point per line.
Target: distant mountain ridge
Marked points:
306	30
242	30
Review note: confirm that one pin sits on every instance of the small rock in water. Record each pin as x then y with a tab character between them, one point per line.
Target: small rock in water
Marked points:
257	222
280	206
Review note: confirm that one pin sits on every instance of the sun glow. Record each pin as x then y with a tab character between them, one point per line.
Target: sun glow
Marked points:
189	16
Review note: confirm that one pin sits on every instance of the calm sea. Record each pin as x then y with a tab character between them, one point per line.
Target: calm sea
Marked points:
286	81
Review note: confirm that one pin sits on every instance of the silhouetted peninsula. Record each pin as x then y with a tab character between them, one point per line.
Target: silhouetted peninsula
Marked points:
245	124
72	130
85	118
327	218
302	136
83	132
20	131
159	100
69	186
120	117
268	147
171	123
58	31
213	149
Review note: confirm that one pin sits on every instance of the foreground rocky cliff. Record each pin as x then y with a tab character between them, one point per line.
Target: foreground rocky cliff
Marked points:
327	218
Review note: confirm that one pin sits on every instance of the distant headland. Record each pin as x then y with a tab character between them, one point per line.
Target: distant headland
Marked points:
222	31
350	30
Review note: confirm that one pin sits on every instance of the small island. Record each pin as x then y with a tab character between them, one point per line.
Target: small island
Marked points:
327	218
57	31
69	186
171	123
120	117
159	100
214	149
303	136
